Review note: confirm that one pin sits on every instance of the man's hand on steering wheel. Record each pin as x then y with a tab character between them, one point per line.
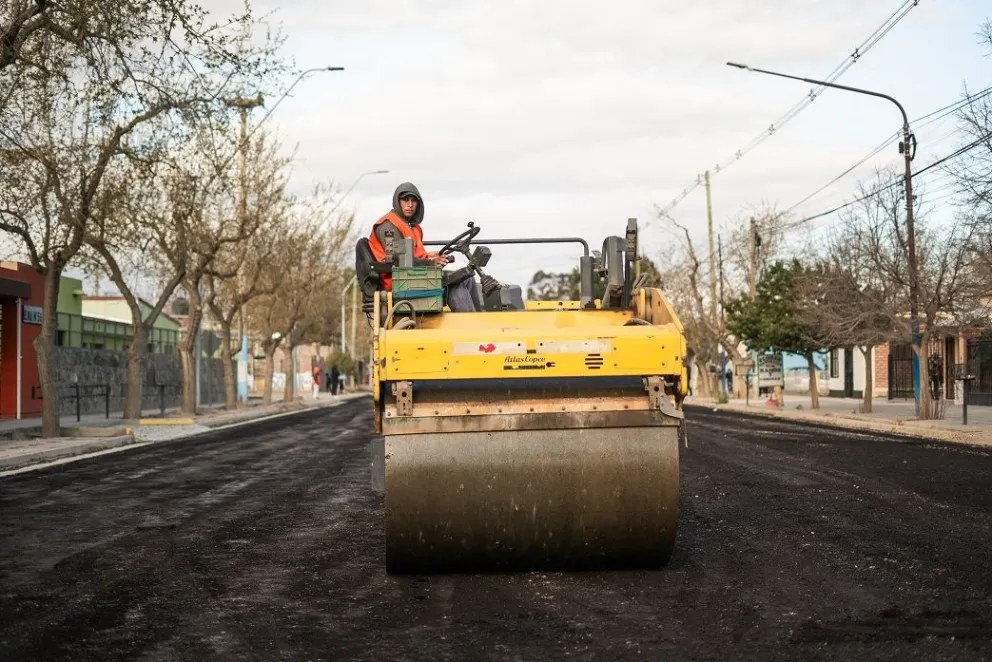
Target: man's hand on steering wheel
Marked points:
438	259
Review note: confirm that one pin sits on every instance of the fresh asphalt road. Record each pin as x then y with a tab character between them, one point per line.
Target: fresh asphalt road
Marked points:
266	542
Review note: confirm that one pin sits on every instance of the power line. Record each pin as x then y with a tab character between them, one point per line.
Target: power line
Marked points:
945	111
897	181
848	62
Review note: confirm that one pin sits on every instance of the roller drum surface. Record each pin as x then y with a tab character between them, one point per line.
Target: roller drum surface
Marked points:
535	499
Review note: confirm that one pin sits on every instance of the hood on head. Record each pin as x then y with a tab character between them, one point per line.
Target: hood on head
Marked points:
403	189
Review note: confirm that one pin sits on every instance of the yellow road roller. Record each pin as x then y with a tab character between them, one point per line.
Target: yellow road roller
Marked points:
531	434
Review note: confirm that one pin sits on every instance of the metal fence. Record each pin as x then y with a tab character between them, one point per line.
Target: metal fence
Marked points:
901	372
92	333
980	365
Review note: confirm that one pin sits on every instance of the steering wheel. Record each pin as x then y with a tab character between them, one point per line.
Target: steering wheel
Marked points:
461	242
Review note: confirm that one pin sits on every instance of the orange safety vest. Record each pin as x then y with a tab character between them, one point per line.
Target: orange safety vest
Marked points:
379	251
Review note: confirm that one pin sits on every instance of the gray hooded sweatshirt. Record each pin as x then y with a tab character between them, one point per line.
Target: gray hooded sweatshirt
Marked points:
418	216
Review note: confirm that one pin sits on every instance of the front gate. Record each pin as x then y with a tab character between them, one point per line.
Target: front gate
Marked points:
901	372
980	365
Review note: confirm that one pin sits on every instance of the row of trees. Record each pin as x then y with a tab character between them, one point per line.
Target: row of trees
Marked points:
119	153
850	288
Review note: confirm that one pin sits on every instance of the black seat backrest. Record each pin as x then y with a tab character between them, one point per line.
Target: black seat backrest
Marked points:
367	270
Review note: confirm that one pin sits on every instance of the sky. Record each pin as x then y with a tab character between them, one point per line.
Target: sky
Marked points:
565	118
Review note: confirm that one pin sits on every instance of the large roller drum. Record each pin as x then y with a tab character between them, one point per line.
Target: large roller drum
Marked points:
587	497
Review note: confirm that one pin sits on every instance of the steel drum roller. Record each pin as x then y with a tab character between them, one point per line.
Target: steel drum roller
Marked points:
567	499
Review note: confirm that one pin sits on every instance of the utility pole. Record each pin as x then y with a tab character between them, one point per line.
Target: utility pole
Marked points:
709	224
723	353
752	273
243	105
354	332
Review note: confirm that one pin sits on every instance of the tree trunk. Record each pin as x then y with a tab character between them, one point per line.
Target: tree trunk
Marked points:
44	347
186	351
814	383
924	357
869	379
227	356
270	371
136	372
287	392
703	383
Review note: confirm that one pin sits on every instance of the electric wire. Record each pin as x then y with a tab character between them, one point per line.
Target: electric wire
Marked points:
848	62
953	155
946	111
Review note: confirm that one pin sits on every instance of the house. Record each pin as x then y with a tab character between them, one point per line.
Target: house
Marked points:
892	367
22	294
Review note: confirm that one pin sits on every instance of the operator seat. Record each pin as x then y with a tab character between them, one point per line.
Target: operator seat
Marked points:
367	270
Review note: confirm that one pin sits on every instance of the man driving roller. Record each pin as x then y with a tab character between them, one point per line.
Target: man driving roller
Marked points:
405	219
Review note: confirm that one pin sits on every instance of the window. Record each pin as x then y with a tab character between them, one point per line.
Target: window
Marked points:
834	364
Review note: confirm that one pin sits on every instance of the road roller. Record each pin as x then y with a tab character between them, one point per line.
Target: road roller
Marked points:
531	434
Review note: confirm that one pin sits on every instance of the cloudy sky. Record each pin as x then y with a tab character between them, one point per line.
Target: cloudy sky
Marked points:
561	118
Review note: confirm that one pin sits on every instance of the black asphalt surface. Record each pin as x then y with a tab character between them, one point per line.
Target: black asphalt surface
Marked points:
265	542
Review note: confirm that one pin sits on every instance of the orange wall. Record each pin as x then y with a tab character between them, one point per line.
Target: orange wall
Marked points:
8	348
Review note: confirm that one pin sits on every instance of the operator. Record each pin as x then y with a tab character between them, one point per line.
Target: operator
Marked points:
405	219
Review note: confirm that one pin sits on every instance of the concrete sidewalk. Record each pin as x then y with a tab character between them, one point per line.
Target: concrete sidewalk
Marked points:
22	454
891	417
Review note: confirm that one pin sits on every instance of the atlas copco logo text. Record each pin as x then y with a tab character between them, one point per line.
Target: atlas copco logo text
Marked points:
524	359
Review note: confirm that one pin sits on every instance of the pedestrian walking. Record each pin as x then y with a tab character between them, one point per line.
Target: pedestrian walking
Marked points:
334	379
316	381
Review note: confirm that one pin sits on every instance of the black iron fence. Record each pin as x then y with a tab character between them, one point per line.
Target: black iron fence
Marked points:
980	366
77	394
901	372
89	399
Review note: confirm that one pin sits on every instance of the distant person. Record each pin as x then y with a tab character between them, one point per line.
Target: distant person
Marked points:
316	381
334	379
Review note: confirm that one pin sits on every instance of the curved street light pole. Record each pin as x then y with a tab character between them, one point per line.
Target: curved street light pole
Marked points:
914	291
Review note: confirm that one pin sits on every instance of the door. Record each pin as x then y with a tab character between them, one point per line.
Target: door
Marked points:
848	372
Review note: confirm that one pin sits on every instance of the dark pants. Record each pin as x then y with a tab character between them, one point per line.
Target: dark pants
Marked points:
463	297
334	384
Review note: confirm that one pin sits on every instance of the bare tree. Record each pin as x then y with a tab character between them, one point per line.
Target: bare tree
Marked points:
249	259
304	275
875	234
848	305
78	108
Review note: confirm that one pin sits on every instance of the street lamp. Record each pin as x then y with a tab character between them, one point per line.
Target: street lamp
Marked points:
904	148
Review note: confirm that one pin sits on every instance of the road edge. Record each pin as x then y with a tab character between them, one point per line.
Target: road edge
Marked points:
841	422
107	445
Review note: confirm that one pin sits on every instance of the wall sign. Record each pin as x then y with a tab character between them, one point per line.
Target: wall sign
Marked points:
770	370
31	315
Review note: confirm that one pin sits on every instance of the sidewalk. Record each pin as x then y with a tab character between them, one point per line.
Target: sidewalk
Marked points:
102	434
890	417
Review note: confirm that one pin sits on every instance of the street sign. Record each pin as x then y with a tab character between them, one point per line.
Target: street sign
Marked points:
744	368
32	315
770	370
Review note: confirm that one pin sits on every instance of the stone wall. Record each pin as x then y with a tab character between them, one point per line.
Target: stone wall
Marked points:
95	369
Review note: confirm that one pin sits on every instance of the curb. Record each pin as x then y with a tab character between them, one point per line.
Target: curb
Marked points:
166	421
843	422
61	452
